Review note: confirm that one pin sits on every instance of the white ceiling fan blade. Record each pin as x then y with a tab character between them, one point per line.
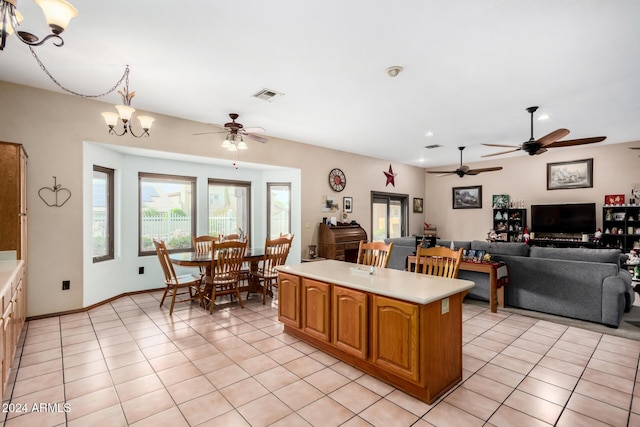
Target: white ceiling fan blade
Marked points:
254	130
257	138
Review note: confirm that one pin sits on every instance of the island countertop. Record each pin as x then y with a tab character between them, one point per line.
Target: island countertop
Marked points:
402	285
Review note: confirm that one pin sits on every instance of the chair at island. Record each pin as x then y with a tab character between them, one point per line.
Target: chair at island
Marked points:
374	253
438	261
186	284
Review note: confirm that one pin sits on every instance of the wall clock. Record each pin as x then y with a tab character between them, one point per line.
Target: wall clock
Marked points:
337	179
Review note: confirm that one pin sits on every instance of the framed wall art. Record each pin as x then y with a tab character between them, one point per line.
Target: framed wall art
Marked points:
575	174
417	205
347	202
467	197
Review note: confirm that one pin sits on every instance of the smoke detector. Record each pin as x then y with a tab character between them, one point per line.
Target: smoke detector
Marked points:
394	71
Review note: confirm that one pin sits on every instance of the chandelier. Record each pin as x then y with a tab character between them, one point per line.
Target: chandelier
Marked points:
234	142
58	13
125	111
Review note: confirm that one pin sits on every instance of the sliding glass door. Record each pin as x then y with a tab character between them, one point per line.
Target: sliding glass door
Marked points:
389	215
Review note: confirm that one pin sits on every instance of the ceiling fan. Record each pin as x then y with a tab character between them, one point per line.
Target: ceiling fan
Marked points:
551	140
464	169
234	130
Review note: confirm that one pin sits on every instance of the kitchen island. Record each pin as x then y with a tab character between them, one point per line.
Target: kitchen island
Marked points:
400	327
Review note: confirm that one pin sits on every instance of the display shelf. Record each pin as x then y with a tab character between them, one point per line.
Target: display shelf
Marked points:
620	226
509	224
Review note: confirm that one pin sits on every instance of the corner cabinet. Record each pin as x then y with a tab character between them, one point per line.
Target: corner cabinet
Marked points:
620	226
509	224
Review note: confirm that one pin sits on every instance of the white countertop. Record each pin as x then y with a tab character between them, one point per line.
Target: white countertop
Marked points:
8	269
402	285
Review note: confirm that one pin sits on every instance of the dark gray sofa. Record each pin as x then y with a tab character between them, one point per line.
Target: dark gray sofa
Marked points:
585	284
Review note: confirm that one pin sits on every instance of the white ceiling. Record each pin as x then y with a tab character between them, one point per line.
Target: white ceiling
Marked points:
470	68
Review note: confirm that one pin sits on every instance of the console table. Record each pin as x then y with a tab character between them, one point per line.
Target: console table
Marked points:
496	295
402	328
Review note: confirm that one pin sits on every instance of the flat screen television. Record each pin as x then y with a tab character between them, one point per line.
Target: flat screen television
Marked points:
567	218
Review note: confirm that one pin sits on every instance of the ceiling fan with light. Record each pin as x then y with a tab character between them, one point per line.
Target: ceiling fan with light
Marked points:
464	169
538	146
235	132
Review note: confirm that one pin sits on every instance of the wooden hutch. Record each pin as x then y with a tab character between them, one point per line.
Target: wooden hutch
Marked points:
340	242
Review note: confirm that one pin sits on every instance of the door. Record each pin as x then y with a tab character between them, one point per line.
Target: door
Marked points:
389	215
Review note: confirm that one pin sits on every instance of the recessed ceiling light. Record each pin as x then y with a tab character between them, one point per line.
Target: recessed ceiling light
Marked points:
428	134
543	117
393	71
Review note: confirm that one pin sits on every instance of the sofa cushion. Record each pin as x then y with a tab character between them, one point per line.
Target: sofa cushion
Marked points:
501	248
577	254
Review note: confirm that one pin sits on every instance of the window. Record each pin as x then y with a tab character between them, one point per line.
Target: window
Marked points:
278	209
167	211
389	215
102	214
229	207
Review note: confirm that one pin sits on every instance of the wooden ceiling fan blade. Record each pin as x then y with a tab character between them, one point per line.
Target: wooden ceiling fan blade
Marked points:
582	141
502	152
257	138
633	148
442	172
477	171
501	145
552	137
254	130
540	151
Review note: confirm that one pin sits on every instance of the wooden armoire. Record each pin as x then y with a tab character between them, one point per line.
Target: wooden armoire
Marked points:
13	199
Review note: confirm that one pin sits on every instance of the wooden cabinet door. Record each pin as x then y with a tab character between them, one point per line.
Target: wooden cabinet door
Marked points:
316	309
289	299
395	336
8	343
350	317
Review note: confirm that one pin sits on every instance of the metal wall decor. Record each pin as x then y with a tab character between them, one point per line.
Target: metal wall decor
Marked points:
55	196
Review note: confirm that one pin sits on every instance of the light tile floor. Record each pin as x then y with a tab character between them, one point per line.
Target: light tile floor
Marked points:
130	363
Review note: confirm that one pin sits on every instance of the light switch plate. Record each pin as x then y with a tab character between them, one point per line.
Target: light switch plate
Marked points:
444	305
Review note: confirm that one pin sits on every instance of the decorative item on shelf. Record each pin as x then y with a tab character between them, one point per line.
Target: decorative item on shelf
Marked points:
500	201
125	111
56	196
525	235
607	231
312	251
635	193
58	14
614	230
492	235
619	216
608	216
498	215
598	235
614	199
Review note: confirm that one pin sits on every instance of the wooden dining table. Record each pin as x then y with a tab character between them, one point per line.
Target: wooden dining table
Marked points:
192	259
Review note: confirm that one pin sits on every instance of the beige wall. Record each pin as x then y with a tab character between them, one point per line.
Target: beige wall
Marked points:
615	170
53	127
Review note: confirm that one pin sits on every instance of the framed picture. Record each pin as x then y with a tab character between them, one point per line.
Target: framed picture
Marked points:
576	174
467	197
347	202
417	205
500	201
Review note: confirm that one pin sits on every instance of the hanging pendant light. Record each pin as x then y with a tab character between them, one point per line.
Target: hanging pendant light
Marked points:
125	112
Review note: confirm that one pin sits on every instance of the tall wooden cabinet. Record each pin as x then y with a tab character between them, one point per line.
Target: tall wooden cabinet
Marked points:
13	199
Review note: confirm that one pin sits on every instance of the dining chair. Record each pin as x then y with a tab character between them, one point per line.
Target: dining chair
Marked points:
202	245
234	236
374	253
177	285
275	254
438	261
226	262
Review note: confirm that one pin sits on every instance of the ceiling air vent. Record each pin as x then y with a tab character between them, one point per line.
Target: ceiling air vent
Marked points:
267	95
430	147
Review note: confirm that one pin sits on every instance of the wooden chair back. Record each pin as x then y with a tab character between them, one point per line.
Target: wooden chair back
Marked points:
202	244
165	262
275	253
438	261
227	260
374	253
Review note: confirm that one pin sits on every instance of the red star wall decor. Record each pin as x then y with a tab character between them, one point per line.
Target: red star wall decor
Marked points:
390	177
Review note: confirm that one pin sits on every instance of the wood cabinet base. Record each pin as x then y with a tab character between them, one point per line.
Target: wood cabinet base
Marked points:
416	348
